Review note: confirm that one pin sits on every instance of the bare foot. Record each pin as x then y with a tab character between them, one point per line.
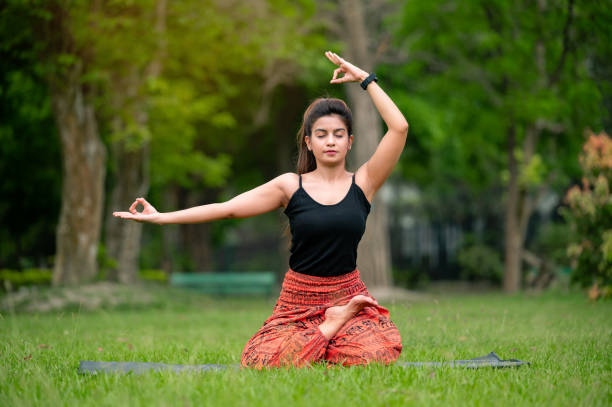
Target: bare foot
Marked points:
337	316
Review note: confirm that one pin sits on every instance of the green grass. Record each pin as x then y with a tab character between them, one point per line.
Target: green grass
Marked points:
567	339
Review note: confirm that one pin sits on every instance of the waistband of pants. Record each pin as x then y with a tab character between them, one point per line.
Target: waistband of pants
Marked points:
307	290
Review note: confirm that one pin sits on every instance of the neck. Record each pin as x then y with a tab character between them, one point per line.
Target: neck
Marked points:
330	174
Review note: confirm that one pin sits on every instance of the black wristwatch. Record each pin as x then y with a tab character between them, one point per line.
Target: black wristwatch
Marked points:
371	77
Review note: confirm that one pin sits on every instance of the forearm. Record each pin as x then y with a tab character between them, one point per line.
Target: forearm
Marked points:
259	200
391	115
197	214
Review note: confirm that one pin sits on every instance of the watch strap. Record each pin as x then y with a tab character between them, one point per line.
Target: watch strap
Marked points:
371	77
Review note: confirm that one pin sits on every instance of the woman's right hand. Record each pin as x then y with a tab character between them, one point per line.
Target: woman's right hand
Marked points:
149	214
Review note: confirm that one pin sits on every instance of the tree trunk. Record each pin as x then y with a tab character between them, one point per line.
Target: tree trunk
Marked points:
83	164
195	238
519	208
293	97
122	237
512	235
132	164
170	233
520	202
374	254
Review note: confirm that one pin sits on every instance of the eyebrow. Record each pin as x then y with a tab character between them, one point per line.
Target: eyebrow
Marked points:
335	130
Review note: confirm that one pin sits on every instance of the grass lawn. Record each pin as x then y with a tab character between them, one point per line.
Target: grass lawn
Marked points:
567	339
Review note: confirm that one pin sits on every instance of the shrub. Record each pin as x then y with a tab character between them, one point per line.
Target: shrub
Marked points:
159	276
480	262
590	216
551	243
13	279
410	277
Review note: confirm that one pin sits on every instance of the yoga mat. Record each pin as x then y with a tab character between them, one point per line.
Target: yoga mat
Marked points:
92	367
490	360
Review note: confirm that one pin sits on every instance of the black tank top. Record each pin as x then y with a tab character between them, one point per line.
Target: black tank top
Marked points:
325	237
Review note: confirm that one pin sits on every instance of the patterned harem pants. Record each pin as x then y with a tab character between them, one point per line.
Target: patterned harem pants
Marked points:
291	336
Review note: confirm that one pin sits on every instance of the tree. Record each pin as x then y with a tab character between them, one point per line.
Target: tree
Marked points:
511	87
30	162
210	106
67	60
127	75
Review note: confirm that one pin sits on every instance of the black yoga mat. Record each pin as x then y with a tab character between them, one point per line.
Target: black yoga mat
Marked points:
91	367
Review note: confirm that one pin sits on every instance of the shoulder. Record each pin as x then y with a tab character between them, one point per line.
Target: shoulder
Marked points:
287	179
288	182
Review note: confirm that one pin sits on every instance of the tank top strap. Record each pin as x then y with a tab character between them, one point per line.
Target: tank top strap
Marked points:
353	179
300	176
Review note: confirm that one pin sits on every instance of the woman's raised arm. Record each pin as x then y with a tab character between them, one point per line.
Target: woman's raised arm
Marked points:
264	198
378	168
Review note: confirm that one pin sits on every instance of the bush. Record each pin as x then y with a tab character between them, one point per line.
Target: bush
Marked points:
551	243
13	279
480	262
590	217
158	276
410	278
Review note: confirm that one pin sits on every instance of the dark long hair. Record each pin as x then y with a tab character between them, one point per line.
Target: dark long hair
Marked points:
318	108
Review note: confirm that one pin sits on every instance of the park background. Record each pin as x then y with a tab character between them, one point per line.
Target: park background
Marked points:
191	102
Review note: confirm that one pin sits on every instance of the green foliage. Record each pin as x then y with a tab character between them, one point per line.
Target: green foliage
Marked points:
105	262
590	215
155	275
30	162
551	242
216	61
412	278
480	262
13	279
474	70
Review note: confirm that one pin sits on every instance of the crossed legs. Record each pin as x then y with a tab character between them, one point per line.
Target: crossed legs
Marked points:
358	332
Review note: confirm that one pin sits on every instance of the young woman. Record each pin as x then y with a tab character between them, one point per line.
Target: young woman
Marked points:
324	312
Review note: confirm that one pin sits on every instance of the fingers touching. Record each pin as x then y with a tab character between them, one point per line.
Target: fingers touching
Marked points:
350	73
148	212
141	201
341	79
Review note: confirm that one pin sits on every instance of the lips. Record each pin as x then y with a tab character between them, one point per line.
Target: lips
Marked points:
330	152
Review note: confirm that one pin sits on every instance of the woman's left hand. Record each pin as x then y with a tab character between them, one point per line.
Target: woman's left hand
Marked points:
350	71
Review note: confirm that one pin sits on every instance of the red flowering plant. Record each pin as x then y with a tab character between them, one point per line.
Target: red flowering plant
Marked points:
590	217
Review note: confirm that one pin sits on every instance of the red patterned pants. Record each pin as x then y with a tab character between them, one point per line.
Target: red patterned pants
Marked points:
291	336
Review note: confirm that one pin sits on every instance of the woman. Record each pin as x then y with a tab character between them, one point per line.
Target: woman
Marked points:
324	312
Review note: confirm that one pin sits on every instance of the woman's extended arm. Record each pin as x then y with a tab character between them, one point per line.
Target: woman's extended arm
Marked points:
378	168
264	198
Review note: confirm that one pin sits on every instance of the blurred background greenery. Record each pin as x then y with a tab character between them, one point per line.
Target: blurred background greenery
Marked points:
190	102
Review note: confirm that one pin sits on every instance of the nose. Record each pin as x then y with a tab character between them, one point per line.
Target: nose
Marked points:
330	140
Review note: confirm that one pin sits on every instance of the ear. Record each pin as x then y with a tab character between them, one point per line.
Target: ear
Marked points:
307	141
350	141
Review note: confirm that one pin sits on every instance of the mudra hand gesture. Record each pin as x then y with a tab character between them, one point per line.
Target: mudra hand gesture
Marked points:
350	71
148	214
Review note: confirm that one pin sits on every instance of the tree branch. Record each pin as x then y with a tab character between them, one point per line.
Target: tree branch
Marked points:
566	45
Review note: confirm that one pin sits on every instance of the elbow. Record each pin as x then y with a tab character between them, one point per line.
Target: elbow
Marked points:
227	210
402	128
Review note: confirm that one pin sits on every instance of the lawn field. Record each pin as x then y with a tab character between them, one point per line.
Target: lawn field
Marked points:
567	339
